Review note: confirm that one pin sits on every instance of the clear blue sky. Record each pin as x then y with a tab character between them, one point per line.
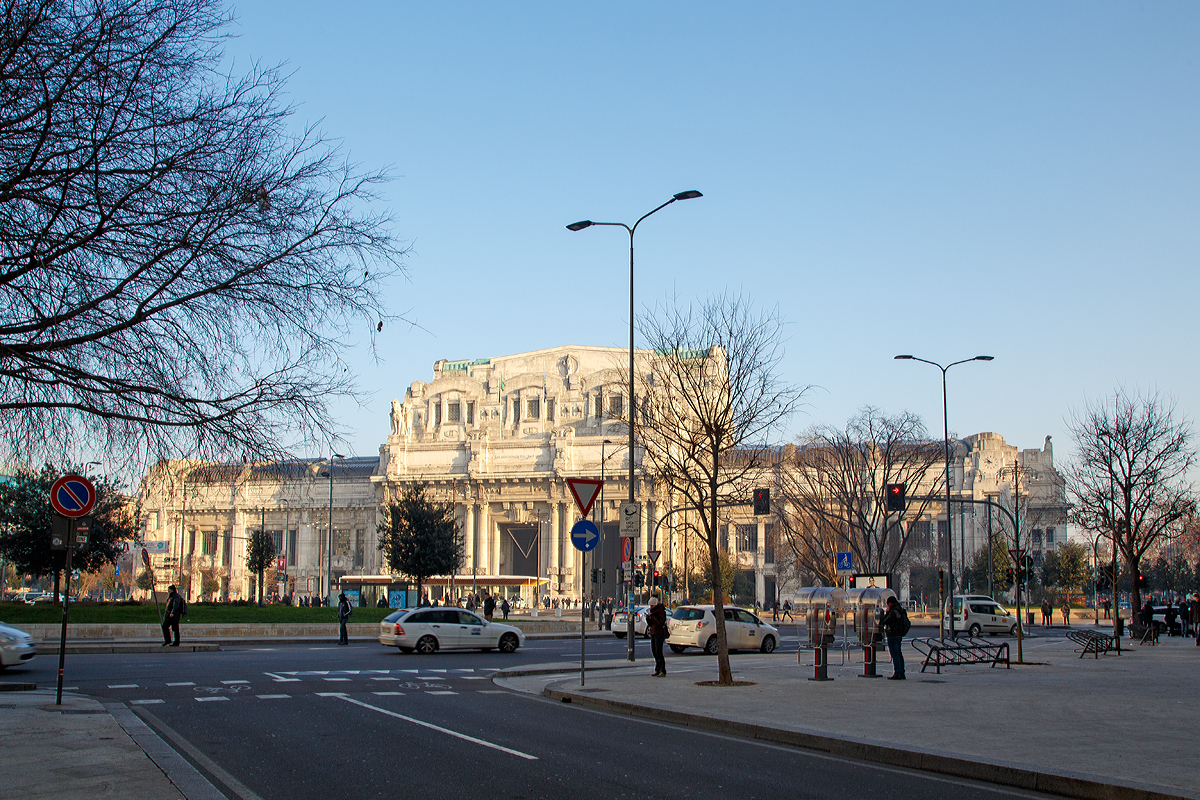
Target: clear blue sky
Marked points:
943	179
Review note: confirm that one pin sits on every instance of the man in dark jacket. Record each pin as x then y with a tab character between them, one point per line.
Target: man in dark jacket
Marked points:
170	624
1195	612
344	612
894	624
489	607
656	629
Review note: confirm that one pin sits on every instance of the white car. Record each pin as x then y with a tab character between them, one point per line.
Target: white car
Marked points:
982	615
695	626
428	630
16	646
620	622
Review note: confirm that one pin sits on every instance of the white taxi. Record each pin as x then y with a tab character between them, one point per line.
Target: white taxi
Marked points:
695	626
16	646
427	630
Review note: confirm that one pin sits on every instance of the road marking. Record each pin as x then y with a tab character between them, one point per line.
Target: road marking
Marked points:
331	694
474	677
230	682
281	679
389	694
210	699
385	679
145	702
441	693
335	679
439	729
492	691
122	686
273	696
183	683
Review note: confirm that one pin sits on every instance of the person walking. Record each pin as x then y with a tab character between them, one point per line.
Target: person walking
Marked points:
656	629
895	626
1047	613
1195	614
176	608
1066	612
787	610
504	608
344	612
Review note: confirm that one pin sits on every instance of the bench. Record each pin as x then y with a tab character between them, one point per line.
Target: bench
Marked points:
1145	634
1093	642
963	650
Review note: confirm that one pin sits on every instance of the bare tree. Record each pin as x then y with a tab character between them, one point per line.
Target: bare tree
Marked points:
178	272
714	400
833	491
1129	478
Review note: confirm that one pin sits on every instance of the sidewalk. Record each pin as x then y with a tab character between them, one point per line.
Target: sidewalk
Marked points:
1118	727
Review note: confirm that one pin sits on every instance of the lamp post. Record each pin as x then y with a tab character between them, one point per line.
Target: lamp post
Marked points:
287	514
631	230
329	542
946	443
1016	469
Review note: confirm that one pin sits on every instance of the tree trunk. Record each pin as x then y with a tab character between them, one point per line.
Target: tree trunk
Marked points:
724	671
260	581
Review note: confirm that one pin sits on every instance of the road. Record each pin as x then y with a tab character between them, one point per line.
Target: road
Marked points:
365	721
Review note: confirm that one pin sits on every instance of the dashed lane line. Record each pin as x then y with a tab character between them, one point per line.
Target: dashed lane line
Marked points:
389	694
183	683
122	686
227	683
145	702
441	693
273	696
210	699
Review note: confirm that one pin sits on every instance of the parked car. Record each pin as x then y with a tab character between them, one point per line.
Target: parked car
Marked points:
428	630
696	626
982	615
620	622
16	646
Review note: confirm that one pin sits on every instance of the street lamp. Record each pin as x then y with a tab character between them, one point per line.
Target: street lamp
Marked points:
329	543
587	223
946	442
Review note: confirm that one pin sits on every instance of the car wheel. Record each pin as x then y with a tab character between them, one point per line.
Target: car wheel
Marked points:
677	648
768	645
427	645
1013	630
405	649
710	646
973	631
509	643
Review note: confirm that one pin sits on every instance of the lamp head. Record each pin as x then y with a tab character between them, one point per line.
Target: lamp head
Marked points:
691	194
903	358
984	358
578	226
338	455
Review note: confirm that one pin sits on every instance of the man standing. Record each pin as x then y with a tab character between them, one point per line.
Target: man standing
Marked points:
1046	613
895	625
1195	609
344	612
176	608
656	629
489	607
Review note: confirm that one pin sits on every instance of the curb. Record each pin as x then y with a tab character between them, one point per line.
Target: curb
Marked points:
525	673
18	687
89	648
1068	784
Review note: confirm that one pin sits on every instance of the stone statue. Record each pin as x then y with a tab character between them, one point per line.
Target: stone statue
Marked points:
400	424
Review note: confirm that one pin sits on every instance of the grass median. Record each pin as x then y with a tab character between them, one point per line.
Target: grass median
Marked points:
198	614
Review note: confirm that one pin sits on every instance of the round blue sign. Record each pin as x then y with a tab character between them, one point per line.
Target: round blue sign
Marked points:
585	536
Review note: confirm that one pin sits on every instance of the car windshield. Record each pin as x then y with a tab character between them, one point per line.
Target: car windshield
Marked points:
688	614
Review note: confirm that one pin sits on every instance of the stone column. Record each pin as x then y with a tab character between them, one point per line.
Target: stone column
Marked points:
552	549
485	526
469	534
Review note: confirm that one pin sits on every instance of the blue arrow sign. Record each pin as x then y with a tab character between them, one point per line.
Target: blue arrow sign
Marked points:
845	561
585	536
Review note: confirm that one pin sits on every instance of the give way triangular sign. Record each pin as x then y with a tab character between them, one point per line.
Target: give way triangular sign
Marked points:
584	490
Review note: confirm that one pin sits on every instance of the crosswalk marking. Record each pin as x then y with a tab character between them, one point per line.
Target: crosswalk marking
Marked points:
441	693
183	683
335	679
144	702
122	686
389	694
210	699
229	682
273	696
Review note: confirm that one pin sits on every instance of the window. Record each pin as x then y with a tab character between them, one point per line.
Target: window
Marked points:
616	406
768	545
210	543
471	412
291	547
341	542
454	412
746	617
724	531
359	549
533	408
516	411
437	413
1037	538
747	538
918	533
550	409
1049	536
277	538
467	618
688	614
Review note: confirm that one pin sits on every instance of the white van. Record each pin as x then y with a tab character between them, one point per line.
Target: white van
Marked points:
977	614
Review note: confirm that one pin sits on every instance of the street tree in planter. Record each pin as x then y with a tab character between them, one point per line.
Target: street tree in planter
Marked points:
420	538
260	556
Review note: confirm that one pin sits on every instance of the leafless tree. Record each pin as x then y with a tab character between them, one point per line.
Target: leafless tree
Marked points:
1129	478
713	402
178	271
832	491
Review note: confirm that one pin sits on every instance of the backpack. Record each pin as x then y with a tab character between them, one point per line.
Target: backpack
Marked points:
905	625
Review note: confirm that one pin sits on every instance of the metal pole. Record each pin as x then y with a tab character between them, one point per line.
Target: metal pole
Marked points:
630	630
949	516
329	541
62	640
991	563
582	626
1017	536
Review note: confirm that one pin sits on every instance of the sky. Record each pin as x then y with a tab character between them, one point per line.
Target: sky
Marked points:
1020	180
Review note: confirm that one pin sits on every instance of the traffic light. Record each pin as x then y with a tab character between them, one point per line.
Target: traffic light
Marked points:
1141	581
942	582
602	576
639	580
762	502
896	499
620	575
1008	577
595	574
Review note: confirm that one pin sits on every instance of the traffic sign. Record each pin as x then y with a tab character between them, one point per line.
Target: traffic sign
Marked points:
73	495
281	563
631	519
584	535
653	555
585	491
1016	553
145	556
626	548
845	562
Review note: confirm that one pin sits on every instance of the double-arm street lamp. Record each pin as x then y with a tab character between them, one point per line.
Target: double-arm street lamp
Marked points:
946	443
631	230
329	542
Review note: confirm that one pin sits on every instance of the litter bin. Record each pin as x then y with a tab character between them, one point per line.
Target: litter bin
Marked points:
1029	619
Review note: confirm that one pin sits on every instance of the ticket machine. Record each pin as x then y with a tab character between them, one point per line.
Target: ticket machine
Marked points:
821	606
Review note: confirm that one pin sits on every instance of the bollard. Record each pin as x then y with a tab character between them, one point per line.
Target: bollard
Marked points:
821	666
870	652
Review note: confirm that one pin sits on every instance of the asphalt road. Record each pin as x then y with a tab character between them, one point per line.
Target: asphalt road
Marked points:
365	721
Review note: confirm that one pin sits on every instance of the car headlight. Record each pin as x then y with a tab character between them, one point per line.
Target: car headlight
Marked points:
7	638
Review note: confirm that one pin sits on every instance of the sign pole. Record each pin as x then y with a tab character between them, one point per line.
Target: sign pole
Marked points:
62	639
582	619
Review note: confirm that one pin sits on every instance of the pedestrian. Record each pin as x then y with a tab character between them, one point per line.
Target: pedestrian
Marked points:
895	626
344	612
1066	612
1107	608
787	610
504	607
1195	613
489	607
1047	613
775	611
656	629
176	608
